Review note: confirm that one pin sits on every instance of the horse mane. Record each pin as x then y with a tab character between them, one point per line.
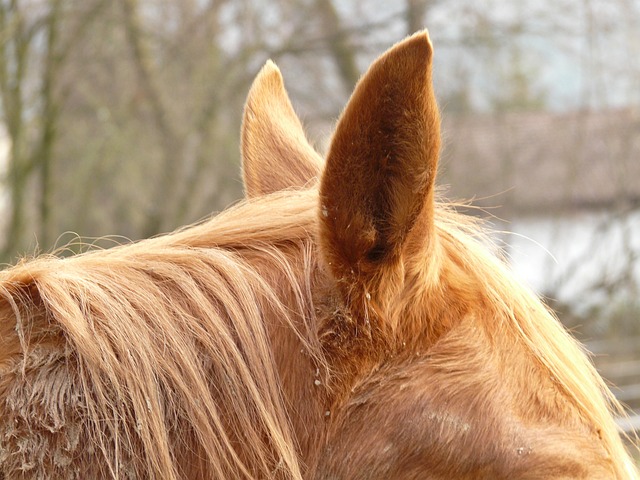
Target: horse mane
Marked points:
174	327
516	308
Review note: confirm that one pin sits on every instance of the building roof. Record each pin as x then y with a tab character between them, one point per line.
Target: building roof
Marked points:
532	162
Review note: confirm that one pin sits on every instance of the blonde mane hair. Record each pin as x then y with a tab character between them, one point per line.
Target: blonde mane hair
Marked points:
195	303
517	308
156	325
233	348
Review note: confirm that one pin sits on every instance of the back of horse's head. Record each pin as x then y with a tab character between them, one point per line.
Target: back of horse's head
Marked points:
337	323
404	271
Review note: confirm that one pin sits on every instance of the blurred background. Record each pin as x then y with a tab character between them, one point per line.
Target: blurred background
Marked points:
122	117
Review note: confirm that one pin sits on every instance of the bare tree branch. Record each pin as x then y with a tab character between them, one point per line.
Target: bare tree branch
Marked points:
165	190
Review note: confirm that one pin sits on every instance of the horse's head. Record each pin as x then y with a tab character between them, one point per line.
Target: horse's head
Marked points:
340	323
441	366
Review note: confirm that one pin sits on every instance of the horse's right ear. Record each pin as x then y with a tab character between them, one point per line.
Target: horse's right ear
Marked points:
376	193
275	151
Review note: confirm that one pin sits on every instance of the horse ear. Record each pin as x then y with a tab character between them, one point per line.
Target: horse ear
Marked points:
376	193
275	152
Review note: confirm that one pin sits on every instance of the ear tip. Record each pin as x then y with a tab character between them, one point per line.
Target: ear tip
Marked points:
270	71
270	66
421	35
420	40
268	81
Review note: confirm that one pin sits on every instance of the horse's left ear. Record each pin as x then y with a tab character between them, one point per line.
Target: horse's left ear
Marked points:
376	193
275	151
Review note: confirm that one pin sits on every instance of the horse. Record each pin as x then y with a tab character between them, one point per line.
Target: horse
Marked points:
340	322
